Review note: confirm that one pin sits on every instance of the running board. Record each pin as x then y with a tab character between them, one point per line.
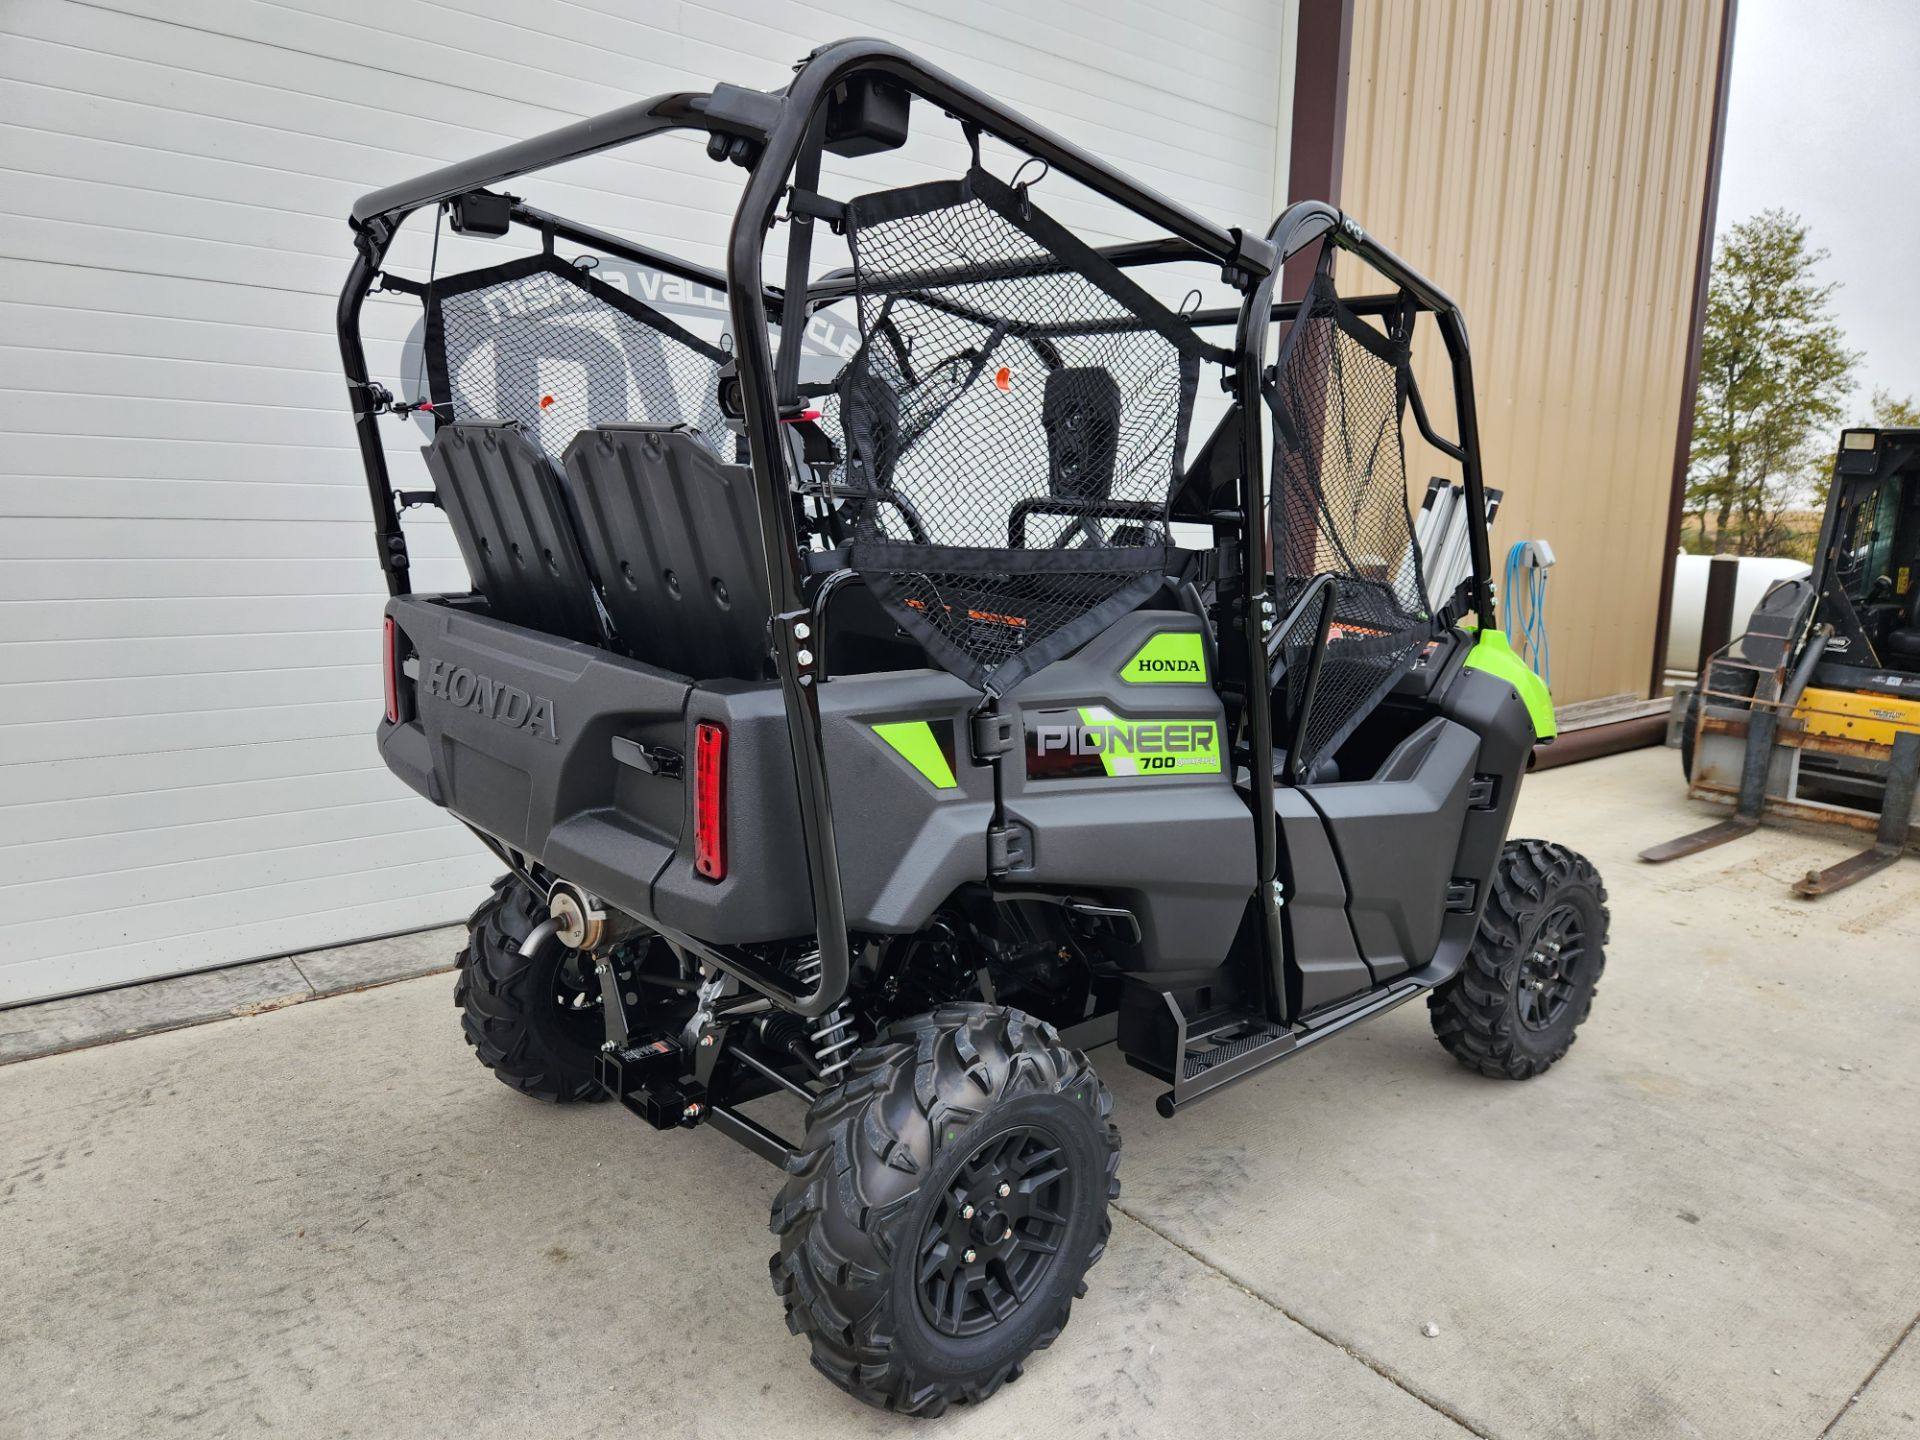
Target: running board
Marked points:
1222	1049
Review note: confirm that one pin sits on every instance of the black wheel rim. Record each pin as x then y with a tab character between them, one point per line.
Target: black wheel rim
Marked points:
576	996
996	1232
1551	969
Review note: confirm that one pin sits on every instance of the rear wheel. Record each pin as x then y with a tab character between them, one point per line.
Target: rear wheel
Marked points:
947	1202
535	1022
1530	978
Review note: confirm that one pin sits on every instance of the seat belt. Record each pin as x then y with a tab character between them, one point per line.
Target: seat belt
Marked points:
793	299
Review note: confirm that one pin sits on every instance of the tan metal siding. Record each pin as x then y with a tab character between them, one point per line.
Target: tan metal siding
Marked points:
1545	164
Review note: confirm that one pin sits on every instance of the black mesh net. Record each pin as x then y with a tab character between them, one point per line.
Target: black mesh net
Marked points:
1300	634
1359	667
1011	427
1340	506
543	342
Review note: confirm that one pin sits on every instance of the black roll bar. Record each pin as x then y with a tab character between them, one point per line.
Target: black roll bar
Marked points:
1292	231
794	634
391	543
686	110
609	244
767	132
728	114
1300	225
1252	602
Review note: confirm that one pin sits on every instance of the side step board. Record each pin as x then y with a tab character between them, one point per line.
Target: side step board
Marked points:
1224	1047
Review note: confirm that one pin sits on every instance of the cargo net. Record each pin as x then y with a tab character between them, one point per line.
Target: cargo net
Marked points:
1340	508
1011	427
543	342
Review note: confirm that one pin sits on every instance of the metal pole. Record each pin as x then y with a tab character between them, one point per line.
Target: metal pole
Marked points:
1453	330
390	540
1716	620
795	642
1256	606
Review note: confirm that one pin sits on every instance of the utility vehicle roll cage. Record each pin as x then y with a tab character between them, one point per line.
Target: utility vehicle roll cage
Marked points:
778	137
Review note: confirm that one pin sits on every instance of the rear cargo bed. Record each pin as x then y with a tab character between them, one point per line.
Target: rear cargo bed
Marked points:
582	759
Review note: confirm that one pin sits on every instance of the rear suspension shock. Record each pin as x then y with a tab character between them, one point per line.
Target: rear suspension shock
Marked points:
834	1037
834	1041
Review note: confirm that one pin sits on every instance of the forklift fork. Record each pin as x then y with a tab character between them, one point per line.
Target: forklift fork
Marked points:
1890	840
1754	765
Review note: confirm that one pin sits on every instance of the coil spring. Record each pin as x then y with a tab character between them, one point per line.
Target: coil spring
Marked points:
834	1040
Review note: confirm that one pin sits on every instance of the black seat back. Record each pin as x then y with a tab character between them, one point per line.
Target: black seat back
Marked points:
510	514
672	534
1081	414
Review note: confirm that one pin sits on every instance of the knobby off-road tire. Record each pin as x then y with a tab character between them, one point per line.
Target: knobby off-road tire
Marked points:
900	1179
509	1004
1513	1009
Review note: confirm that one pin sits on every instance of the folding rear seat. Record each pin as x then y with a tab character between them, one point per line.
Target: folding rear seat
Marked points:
515	527
674	537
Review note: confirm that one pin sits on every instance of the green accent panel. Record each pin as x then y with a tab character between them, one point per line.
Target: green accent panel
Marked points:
1172	657
914	740
1493	654
1153	747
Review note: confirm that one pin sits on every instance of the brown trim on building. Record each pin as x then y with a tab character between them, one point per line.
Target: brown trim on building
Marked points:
1690	381
1322	58
1642	732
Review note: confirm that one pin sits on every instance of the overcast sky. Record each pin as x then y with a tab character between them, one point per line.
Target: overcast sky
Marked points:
1824	120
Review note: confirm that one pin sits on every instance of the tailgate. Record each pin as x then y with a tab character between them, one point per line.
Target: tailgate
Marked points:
566	752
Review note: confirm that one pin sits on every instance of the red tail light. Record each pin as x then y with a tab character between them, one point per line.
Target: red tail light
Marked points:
709	801
392	670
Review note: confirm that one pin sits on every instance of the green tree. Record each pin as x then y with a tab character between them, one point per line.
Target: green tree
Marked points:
1890	410
1773	370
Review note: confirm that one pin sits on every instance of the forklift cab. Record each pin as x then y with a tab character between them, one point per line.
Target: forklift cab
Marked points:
1870	552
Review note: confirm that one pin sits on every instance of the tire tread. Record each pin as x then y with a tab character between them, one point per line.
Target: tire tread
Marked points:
840	1300
1471	1013
497	988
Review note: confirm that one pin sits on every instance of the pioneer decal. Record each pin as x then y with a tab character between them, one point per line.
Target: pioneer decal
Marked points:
1093	741
1169	658
498	701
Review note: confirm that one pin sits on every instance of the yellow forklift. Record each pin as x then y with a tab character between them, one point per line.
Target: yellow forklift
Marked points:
1814	713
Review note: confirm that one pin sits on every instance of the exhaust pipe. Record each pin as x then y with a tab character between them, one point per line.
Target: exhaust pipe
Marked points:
579	920
538	937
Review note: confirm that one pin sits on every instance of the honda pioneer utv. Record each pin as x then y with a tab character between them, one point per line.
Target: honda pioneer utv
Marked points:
893	736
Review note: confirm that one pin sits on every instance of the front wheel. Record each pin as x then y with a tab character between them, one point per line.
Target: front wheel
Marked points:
1529	980
944	1207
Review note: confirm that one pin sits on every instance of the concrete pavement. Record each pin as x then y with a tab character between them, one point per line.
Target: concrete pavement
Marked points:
327	1221
30	1031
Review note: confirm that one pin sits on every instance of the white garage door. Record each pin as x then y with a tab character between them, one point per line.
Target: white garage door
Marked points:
189	608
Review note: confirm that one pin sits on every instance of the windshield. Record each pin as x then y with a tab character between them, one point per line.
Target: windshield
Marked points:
1867	560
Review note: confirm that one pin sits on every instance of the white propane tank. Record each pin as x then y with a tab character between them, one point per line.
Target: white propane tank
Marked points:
1757	574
